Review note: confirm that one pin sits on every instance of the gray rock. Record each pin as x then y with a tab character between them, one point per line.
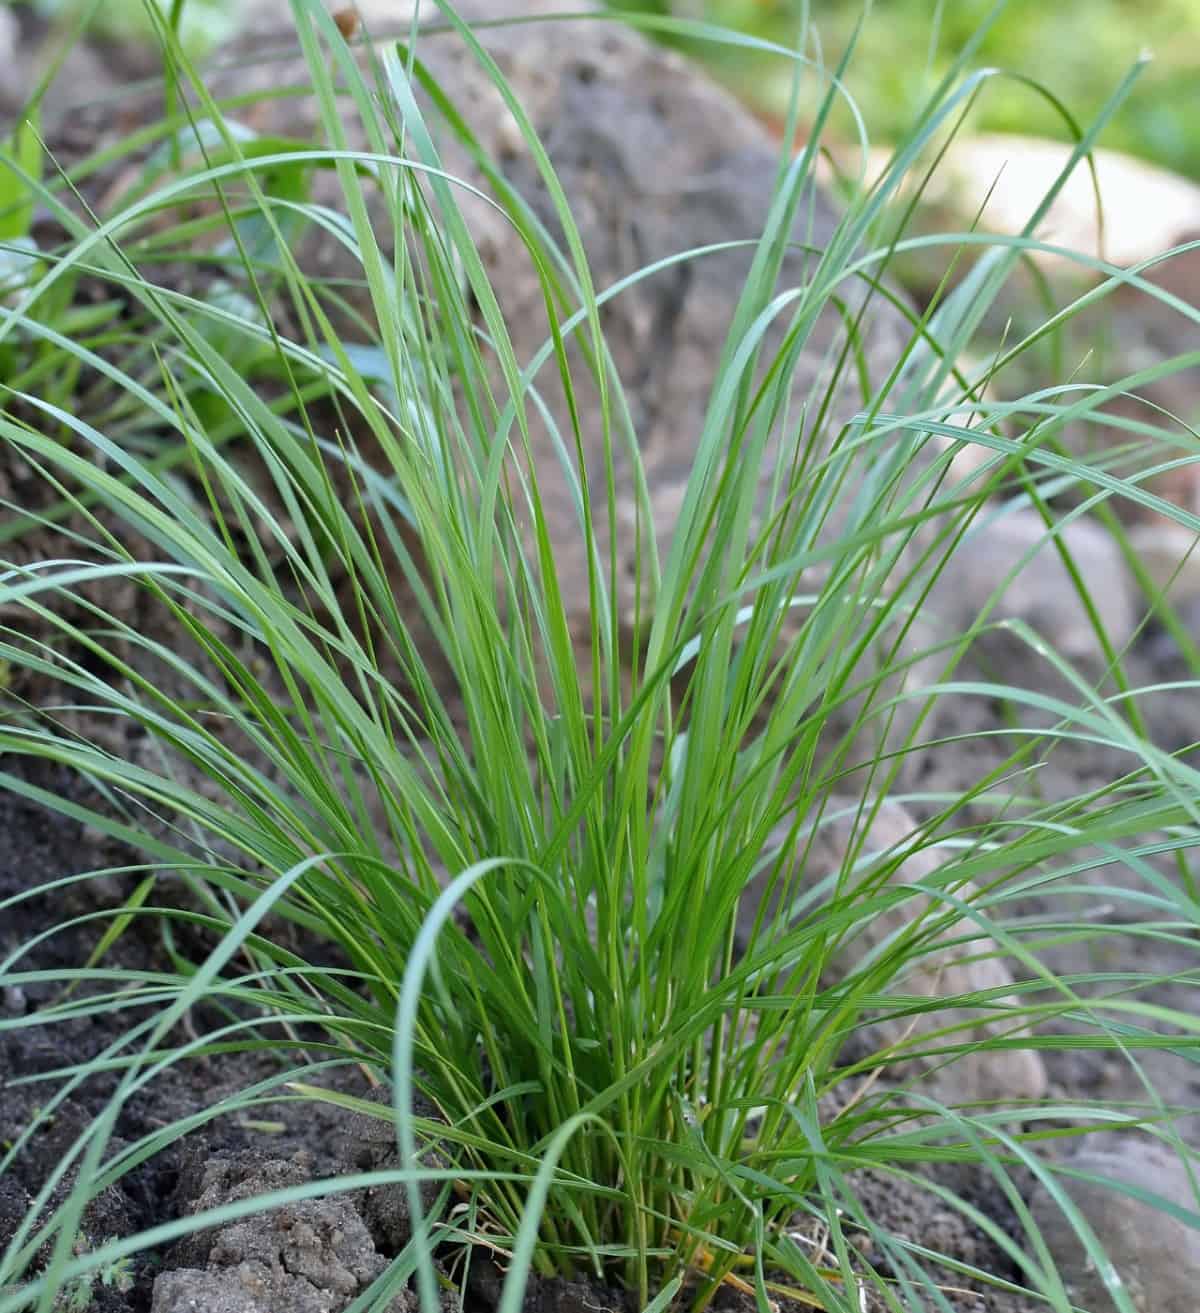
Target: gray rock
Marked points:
250	1288
840	846
89	95
1145	209
1041	594
1172	560
655	160
1155	1256
368	1144
321	1241
12	86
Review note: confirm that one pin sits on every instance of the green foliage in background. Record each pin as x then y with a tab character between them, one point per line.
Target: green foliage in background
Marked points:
204	23
1079	47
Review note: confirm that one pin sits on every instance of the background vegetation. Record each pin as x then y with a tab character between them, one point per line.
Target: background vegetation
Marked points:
1080	47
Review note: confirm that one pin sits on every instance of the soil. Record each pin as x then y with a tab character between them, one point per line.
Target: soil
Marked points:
277	1144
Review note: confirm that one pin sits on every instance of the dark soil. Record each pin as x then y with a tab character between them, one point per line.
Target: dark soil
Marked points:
232	1156
38	846
239	1155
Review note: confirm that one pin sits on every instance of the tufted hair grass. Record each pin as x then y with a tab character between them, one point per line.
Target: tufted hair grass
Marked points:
375	722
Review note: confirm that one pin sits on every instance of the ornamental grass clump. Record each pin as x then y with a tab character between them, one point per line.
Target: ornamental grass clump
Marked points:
524	814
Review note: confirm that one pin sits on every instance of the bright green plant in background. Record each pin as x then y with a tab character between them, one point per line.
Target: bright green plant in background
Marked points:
20	169
26	362
205	23
534	881
1075	46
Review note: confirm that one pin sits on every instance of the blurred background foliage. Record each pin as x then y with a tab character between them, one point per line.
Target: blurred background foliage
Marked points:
203	23
1080	48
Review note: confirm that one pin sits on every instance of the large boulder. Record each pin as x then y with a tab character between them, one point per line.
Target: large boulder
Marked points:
655	160
1138	1198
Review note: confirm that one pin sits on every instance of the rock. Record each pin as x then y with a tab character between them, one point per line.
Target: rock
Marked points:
1042	594
11	87
1171	555
252	1288
102	93
655	160
1141	329
1147	213
999	179
92	81
1002	1075
970	458
1155	1255
368	1144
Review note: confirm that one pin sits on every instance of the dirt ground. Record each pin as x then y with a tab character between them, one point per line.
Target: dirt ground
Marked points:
338	1246
305	1140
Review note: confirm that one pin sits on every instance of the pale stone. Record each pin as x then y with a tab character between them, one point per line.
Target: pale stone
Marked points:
1000	179
1041	592
12	86
1155	1256
1004	1075
1171	556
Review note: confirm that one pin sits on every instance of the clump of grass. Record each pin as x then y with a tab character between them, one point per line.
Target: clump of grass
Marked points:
532	852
